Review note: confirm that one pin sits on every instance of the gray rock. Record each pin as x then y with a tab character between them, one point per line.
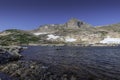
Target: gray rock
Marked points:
9	54
75	24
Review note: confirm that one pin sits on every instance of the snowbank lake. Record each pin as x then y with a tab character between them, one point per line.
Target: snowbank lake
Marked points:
98	61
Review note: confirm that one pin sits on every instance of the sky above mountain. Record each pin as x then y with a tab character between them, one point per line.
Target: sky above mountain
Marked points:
29	14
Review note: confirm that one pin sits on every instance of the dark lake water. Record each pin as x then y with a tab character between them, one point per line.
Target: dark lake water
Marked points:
5	77
99	61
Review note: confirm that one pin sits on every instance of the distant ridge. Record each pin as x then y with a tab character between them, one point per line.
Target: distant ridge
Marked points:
72	31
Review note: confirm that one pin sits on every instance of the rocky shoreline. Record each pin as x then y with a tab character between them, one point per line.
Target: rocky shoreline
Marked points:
73	44
22	69
9	53
32	70
13	67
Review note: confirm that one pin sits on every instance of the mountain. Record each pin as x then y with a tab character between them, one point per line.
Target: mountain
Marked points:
73	31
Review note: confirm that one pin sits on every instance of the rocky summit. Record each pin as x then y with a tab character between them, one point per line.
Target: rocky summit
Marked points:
76	24
73	23
73	31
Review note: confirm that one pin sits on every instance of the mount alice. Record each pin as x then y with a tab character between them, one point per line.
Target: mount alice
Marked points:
72	32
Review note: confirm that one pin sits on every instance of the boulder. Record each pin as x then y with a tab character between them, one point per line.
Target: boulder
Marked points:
9	54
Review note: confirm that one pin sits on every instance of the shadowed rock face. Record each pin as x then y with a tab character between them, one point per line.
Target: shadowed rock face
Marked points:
76	24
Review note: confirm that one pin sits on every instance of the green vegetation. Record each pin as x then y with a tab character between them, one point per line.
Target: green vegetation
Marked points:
18	37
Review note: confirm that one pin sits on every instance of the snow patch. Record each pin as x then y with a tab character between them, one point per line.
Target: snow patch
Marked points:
70	39
39	33
51	36
109	40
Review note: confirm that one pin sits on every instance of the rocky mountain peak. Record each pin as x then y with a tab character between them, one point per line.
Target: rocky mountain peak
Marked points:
75	23
74	20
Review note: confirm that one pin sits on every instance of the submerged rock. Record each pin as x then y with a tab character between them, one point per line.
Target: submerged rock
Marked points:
9	54
33	70
6	77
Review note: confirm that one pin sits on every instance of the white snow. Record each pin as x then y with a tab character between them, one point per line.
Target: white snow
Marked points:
51	36
70	39
39	33
109	40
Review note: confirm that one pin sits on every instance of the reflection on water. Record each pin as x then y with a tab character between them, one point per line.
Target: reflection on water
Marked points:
99	61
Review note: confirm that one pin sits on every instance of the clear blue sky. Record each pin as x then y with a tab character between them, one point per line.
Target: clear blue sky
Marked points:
30	14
